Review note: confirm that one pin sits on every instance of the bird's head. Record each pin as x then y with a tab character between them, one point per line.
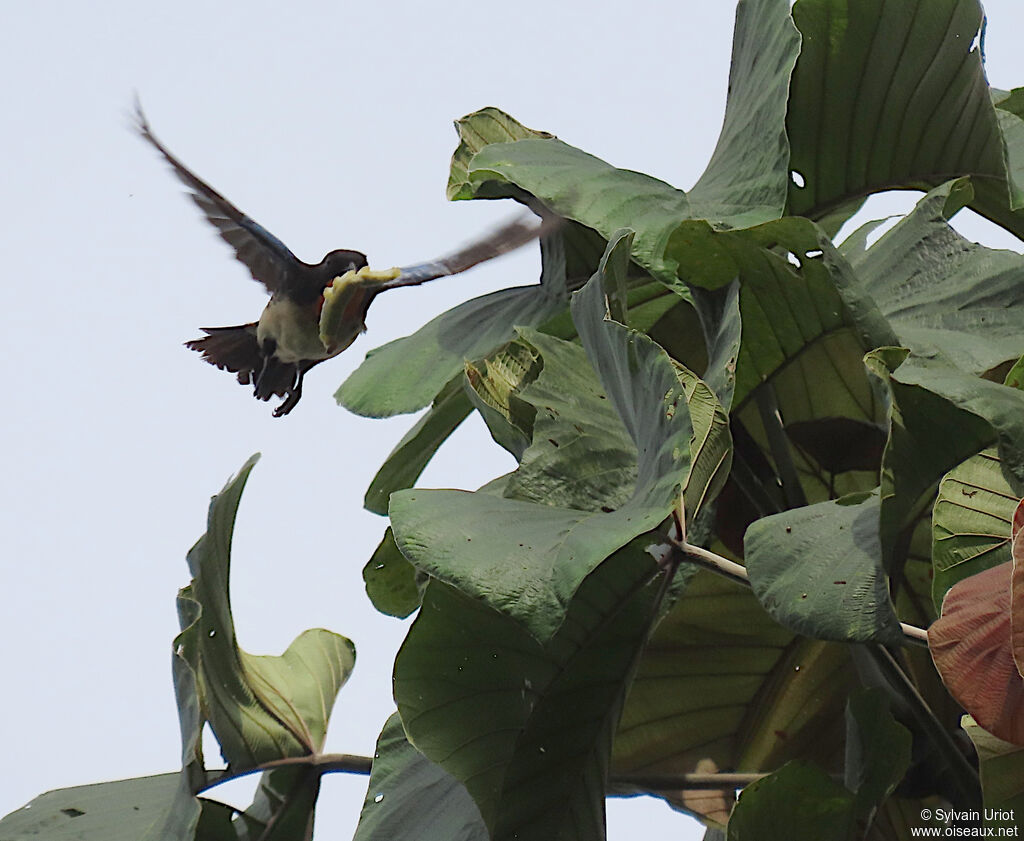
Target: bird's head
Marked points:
336	263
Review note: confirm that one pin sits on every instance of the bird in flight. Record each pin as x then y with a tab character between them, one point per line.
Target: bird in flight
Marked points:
315	310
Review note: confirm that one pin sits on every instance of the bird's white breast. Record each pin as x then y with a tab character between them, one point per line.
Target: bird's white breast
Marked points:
294	328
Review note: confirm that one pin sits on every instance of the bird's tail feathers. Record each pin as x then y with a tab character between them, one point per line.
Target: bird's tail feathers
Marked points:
234	349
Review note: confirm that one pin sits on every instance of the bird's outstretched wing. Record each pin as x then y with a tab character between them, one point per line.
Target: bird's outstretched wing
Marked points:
501	240
266	257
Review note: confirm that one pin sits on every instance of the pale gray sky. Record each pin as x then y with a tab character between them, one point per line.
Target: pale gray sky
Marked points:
331	125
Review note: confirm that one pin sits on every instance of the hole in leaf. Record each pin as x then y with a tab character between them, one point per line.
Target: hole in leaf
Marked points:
797	179
793	260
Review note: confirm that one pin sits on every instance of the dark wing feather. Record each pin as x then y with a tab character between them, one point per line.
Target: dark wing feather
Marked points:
501	240
266	257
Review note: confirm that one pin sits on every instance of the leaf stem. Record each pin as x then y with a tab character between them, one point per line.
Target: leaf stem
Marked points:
331	763
736	572
326	763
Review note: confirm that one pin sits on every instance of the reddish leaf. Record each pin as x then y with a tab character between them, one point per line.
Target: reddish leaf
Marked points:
970	645
1017	587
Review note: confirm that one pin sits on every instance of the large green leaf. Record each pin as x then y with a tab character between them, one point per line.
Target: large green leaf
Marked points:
411	797
533	653
939	418
530	558
818	571
943	294
405	375
261	708
971	521
746	179
526	726
140	809
891	94
744	183
721	680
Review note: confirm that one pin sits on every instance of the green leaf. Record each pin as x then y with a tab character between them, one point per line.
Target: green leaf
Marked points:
891	94
878	751
721	680
746	179
477	130
1002	775
719	314
939	418
581	455
943	294
529	657
527	727
493	386
1015	376
798	802
411	797
391	580
139	809
818	571
406	374
528	559
407	460
260	708
796	291
744	183
971	521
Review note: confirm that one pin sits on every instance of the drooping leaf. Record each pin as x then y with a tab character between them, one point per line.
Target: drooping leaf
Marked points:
719	314
260	708
412	454
891	94
411	797
943	294
391	580
970	521
818	571
970	644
